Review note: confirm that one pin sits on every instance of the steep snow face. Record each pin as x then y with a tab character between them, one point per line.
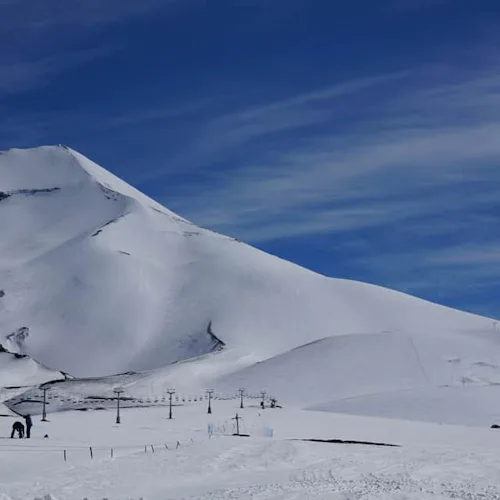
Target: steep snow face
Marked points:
107	281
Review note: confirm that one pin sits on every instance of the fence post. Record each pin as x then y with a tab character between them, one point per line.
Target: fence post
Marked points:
111	452
145	449
65	455
152	449
91	454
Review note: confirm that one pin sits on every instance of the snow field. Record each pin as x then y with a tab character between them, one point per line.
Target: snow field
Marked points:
433	462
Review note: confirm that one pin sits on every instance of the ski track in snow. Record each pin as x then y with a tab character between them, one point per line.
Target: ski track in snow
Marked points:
351	475
404	475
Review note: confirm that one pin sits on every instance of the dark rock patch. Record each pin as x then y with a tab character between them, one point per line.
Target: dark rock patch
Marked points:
219	344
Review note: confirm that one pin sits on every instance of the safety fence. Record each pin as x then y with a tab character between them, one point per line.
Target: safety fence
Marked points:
81	452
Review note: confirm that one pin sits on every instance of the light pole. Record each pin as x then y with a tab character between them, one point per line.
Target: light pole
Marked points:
237	418
118	391
170	393
210	392
242	392
263	395
44	410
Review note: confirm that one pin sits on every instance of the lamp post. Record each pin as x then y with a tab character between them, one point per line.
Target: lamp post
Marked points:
263	395
210	392
170	393
118	391
237	418
44	410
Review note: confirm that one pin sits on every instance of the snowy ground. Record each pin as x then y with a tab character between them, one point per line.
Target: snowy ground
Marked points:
432	461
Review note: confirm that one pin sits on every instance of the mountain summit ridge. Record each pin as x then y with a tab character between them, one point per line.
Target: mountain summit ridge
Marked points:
69	166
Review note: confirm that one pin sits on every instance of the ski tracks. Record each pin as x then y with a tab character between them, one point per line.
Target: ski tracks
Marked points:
362	475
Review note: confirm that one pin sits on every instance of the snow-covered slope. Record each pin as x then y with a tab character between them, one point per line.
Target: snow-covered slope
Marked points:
19	370
105	280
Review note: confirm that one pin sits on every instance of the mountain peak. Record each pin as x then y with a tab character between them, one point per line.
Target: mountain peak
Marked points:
109	281
49	167
39	168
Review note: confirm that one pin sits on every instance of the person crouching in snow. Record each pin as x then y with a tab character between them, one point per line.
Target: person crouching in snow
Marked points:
19	428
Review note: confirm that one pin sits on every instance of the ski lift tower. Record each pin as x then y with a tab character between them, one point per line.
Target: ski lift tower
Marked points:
210	392
263	396
237	418
44	410
170	393
118	391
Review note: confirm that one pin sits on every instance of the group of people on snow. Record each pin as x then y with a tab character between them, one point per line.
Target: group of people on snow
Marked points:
19	428
273	403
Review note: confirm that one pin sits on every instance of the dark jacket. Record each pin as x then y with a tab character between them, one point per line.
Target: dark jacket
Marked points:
29	423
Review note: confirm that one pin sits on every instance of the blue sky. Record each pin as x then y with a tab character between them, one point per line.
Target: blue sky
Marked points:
360	139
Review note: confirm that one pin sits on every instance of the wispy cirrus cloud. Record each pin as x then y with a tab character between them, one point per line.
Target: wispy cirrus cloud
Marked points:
413	5
220	135
34	15
470	254
18	77
42	38
410	171
378	168
464	273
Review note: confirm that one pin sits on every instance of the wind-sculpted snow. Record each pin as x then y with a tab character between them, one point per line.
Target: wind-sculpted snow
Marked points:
109	281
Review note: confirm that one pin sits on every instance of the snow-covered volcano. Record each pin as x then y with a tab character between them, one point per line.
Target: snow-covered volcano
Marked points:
97	278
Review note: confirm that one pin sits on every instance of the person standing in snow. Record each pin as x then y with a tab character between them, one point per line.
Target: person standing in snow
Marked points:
29	425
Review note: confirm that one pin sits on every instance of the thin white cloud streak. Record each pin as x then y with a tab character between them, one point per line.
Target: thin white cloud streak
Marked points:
300	187
464	256
446	273
320	96
410	6
235	127
33	34
487	255
261	224
38	15
22	76
395	154
227	133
